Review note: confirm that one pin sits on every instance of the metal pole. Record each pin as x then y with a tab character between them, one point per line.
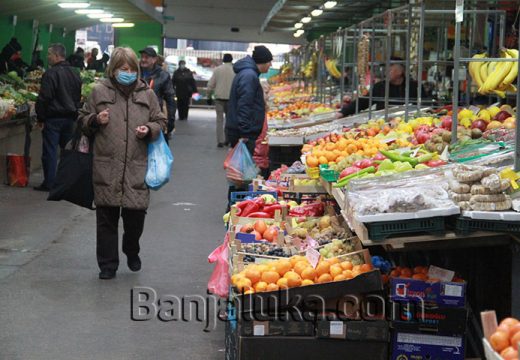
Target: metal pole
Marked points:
355	70
343	55
420	57
470	46
517	143
372	56
456	56
387	65
502	31
407	70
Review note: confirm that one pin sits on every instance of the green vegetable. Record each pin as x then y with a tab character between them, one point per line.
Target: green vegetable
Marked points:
421	167
344	181
424	158
396	157
386	164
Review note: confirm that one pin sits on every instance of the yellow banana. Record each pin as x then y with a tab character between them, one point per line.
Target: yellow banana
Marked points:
474	69
497	76
513	53
484	71
502	94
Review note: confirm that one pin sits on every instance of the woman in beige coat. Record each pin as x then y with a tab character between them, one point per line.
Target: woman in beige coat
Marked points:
123	116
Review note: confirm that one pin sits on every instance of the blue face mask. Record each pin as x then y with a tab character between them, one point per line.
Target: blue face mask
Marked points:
126	77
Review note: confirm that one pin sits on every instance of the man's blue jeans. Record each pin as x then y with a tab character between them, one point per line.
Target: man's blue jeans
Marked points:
55	132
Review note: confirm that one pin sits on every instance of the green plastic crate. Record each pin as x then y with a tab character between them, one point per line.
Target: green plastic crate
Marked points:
382	230
329	175
464	225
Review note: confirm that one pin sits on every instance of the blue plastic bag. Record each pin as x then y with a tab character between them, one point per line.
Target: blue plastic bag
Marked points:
160	160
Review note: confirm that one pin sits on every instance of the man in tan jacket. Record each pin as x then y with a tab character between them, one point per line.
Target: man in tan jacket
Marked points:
220	84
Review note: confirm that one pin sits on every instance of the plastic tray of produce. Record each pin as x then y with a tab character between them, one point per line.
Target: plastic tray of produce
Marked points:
492	215
382	230
464	225
421	214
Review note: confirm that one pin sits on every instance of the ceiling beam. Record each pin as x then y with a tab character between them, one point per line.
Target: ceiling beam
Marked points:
274	10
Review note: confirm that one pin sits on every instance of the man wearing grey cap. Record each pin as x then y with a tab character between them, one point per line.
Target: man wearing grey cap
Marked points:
220	84
160	82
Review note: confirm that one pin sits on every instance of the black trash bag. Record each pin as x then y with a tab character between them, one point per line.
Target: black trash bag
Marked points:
73	181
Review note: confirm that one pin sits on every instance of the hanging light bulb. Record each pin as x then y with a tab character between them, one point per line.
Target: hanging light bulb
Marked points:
316	12
330	4
306	19
298	25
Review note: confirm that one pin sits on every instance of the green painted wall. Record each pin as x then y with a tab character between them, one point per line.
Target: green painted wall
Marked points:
23	31
140	36
24	34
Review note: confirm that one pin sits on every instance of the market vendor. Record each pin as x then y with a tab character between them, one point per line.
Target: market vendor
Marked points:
397	90
10	55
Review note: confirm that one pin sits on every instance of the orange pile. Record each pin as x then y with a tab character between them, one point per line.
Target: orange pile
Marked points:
417	273
333	152
506	338
293	272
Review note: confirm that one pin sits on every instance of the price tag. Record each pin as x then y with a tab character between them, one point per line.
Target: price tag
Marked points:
474	109
459	11
336	328
313	256
453	290
414	154
439	273
389	140
259	330
312	243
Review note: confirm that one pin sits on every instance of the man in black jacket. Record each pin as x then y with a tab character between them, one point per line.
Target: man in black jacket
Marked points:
56	109
397	90
185	86
160	82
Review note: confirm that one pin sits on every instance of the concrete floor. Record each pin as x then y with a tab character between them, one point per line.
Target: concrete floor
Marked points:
52	304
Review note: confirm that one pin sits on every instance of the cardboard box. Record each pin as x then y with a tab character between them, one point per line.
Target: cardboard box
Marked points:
303	348
412	317
450	294
277	328
353	330
312	296
427	347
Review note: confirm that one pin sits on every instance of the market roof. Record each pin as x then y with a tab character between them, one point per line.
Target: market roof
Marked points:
48	12
343	14
225	20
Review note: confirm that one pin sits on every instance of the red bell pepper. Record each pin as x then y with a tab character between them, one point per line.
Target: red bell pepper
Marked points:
260	214
250	208
272	208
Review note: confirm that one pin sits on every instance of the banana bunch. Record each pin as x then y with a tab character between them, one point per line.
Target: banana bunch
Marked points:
310	68
332	68
495	76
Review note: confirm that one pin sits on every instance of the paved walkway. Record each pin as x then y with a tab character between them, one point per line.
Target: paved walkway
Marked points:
53	306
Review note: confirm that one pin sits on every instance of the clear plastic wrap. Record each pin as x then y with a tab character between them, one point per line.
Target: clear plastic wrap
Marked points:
402	196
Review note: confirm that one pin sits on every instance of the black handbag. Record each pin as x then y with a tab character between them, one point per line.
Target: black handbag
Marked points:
73	181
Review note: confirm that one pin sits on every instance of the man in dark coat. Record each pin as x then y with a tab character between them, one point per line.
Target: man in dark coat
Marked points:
160	82
246	107
77	59
56	109
185	86
397	90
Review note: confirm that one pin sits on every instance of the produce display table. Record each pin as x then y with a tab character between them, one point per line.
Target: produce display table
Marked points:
452	245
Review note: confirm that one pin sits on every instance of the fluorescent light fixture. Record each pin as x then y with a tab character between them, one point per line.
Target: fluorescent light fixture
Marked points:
330	4
100	16
89	11
74	5
316	12
159	9
306	19
124	25
298	25
112	20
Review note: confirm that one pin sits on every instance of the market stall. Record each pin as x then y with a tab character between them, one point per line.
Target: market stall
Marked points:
423	196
